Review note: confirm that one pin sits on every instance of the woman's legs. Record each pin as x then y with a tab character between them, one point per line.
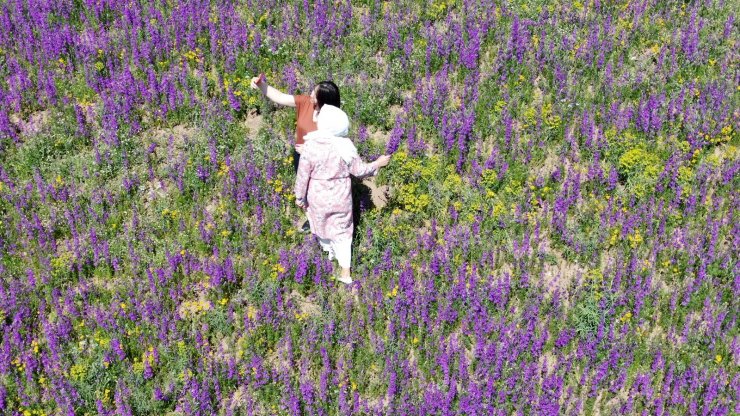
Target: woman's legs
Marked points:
343	252
325	244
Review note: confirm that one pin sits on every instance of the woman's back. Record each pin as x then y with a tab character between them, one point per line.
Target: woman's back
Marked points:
325	161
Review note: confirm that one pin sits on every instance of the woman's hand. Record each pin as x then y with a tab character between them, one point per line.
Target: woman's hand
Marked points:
383	161
258	83
301	204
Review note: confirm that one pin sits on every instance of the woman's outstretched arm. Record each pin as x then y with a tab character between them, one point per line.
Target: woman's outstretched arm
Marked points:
272	94
360	169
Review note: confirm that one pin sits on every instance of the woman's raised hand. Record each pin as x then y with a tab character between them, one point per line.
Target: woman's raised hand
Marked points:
258	83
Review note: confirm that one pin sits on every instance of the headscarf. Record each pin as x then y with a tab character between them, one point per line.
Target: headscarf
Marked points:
333	123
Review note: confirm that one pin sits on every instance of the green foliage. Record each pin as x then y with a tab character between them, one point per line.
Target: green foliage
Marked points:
592	306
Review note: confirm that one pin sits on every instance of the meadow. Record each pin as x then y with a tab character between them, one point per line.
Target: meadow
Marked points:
558	230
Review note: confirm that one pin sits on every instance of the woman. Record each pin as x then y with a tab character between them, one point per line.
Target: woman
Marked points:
323	185
307	107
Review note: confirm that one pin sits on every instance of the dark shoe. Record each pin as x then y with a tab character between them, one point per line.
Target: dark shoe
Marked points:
305	228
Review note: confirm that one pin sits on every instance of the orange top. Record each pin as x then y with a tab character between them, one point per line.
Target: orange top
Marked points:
304	117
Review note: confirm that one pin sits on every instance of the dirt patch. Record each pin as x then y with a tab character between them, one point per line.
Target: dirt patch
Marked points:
154	190
537	95
548	359
90	112
239	399
36	123
379	59
212	206
304	305
645	61
597	404
395	110
488	63
561	275
657	335
199	304
612	406
278	358
551	163
379	136
253	122
178	136
378	193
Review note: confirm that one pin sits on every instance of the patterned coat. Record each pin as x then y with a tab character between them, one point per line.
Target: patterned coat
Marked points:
323	182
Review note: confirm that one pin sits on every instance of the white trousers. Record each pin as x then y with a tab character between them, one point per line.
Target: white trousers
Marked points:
341	250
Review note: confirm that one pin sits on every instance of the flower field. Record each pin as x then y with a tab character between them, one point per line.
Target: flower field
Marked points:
558	230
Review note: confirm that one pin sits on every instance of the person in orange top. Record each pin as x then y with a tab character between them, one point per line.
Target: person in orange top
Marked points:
307	110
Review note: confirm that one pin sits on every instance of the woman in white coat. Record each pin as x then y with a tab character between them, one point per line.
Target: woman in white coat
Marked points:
323	185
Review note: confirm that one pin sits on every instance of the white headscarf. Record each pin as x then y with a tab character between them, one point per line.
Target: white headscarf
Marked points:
333	123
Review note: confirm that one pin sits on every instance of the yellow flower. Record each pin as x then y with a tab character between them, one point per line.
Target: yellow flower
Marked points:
626	317
224	301
77	372
223	169
251	312
718	359
122	305
635	239
278	186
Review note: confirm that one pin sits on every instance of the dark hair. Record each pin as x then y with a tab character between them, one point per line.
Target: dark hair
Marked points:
327	92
